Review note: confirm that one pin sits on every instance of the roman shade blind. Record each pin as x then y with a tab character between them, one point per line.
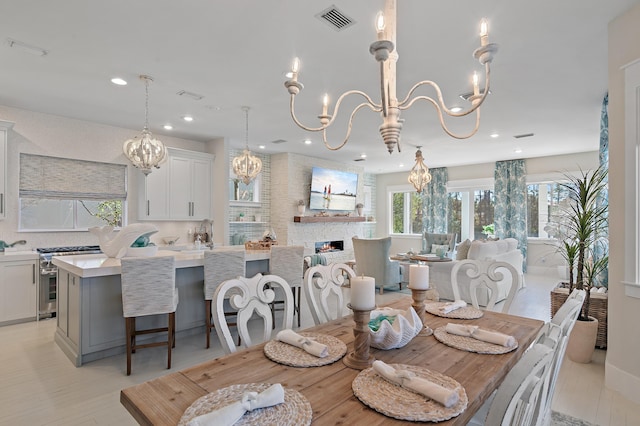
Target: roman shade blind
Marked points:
65	178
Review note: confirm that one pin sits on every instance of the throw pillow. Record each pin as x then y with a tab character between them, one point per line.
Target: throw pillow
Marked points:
435	247
463	249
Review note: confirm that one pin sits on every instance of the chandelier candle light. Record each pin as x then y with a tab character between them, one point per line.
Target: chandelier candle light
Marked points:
144	151
363	301
385	52
246	166
419	285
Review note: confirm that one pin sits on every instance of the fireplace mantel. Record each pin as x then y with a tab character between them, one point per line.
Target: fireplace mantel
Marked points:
319	219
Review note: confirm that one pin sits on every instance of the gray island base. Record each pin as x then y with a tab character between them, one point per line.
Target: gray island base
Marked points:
90	324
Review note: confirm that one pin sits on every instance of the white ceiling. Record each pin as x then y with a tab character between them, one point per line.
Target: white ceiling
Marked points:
548	78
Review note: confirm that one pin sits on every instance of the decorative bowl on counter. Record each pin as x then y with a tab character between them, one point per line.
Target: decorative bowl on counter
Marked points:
170	240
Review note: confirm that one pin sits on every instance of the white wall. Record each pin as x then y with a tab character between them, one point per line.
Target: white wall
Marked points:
45	134
559	164
622	367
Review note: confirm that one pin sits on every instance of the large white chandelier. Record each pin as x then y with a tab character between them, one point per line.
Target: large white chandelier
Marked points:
246	166
419	175
389	106
144	151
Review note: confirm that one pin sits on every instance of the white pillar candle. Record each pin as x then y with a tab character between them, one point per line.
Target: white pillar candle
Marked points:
363	293
419	277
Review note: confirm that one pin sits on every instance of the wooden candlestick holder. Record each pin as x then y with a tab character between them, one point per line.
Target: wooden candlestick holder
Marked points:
419	297
360	358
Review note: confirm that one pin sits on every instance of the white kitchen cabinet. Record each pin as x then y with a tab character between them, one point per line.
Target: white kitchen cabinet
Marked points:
18	290
182	191
5	126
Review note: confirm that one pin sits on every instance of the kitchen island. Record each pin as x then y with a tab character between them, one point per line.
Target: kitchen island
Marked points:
90	323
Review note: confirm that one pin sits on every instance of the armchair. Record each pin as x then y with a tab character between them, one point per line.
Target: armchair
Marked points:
439	239
372	260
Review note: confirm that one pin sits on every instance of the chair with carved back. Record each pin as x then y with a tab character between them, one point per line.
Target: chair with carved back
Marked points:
220	265
249	296
485	276
323	285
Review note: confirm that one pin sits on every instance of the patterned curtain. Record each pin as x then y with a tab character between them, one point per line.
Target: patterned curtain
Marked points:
604	199
510	213
435	203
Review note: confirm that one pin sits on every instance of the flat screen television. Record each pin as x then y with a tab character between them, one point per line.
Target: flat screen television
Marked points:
333	189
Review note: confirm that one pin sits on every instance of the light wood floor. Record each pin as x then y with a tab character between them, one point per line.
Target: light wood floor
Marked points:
40	386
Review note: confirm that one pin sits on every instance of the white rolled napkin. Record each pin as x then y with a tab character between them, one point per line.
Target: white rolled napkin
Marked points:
230	414
452	306
408	380
474	331
311	346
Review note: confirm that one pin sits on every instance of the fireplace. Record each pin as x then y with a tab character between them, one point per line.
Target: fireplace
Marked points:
329	246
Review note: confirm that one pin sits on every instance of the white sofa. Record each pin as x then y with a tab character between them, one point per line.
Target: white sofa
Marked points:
501	250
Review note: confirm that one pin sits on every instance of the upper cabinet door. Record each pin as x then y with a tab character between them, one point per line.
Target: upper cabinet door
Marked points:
180	190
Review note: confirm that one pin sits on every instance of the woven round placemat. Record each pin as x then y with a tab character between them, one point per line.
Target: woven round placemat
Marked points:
296	409
397	402
470	344
468	312
284	353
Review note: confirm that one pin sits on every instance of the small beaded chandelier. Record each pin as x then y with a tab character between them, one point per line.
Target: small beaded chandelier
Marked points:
246	166
419	175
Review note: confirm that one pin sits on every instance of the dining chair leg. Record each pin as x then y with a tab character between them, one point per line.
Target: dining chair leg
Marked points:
296	295
207	308
173	326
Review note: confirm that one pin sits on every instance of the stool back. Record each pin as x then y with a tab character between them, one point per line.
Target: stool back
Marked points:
148	286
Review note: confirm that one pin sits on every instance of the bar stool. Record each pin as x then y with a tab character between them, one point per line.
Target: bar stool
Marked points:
219	266
148	288
288	262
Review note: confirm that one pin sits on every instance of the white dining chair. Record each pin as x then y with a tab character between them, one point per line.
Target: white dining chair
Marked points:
515	402
485	276
248	296
323	285
219	265
148	288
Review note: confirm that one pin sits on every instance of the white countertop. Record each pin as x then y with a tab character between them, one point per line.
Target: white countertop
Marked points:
12	256
99	265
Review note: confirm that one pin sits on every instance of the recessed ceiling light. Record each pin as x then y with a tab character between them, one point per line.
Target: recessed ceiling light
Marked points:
401	165
168	127
363	155
307	142
494	135
261	146
119	81
517	150
456	109
187	118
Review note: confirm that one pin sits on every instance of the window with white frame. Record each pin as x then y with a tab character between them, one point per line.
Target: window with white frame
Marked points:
405	211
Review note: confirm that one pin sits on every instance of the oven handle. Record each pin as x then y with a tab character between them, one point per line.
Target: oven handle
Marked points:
48	272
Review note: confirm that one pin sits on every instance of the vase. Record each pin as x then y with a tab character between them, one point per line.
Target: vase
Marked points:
359	210
582	341
301	210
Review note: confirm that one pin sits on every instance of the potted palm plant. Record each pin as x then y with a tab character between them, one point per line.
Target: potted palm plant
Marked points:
582	224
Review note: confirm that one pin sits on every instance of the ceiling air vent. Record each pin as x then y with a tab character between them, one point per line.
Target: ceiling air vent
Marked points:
191	95
335	18
524	135
360	159
278	141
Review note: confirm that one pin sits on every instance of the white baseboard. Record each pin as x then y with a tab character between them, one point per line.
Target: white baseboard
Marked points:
622	382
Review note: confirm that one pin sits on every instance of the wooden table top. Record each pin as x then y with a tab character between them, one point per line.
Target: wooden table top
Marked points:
163	401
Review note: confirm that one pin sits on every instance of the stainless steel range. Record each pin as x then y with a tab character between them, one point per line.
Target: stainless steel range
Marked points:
49	275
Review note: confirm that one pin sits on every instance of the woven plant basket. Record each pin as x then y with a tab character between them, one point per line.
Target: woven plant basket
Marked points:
597	309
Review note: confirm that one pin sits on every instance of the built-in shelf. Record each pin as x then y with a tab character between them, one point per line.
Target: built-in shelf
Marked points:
318	219
246	222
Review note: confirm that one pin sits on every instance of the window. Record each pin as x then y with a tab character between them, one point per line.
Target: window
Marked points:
406	212
454	221
483	205
543	201
62	194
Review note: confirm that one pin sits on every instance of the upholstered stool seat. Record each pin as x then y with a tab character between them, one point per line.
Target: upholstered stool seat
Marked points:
220	265
148	288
